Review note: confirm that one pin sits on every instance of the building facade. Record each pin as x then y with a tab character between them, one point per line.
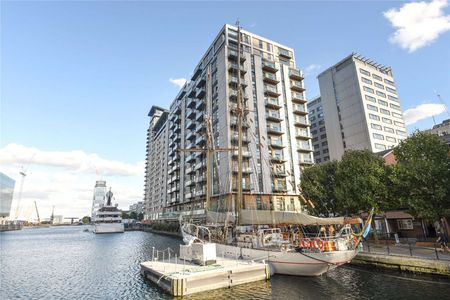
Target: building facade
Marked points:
361	107
442	130
318	131
276	136
6	194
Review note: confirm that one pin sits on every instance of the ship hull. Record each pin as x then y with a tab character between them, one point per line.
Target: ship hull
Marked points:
109	228
291	263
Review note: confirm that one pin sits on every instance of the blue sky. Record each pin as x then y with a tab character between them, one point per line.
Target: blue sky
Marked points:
83	75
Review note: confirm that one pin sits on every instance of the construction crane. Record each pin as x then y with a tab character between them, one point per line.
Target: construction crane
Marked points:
37	212
23	174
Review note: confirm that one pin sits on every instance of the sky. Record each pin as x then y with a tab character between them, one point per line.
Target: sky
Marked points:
78	78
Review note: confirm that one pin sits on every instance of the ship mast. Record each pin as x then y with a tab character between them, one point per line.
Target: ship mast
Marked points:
239	112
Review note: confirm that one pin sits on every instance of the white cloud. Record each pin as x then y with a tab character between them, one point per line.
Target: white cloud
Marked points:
75	160
422	111
66	180
311	69
418	24
179	82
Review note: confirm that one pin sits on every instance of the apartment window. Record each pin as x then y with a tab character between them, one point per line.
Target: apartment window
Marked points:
372	107
382	102
374	117
315	139
320	115
368	89
392	98
380	86
394	91
389	82
385	111
319	108
321	122
388	129
367	73
325	143
405	224
381	94
390	139
317	153
375	126
322	129
380	146
399	123
395	106
313	125
312	118
318	160
401	132
365	80
323	136
397	115
378	136
314	132
386	120
375	76
370	98
325	151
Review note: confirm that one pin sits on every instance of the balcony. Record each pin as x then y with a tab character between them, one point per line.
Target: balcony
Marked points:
245	187
234	81
233	55
191	102
274	117
295	74
191	124
233	121
270	78
304	147
200	104
306	162
297	86
244	153
233	68
284	53
274	130
298	97
177	129
190	145
280	188
199	116
199	166
199	128
300	109
271	90
279	172
269	66
192	92
190	158
301	122
277	158
245	139
200	179
189	169
190	135
199	140
188	196
272	102
201	82
245	169
189	182
197	72
200	93
233	95
302	134
276	144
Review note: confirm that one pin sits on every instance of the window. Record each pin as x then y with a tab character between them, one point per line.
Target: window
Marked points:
375	126
317	153
385	111
390	139
323	136
365	80
389	82
380	86
319	108
325	143
367	73
394	91
314	132
368	89
325	151
381	94
312	118
320	115
322	129
370	98
395	106
374	117
405	224
397	115
377	77
380	146
378	136
315	139
399	123
372	107
392	98
389	129
311	111
318	160
382	102
321	122
386	120
401	132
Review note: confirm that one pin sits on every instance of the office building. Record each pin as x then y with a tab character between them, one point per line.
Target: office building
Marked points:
318	131
361	106
6	194
276	136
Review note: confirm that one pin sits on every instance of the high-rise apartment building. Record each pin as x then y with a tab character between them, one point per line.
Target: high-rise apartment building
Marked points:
6	194
318	130
361	106
276	136
99	196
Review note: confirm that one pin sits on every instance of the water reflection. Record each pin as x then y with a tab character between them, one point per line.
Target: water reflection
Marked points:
67	263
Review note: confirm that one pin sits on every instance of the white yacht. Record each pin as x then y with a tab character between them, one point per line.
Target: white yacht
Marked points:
108	218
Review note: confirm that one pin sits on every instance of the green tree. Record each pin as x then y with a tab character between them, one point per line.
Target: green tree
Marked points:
360	182
133	215
125	215
317	184
422	175
86	220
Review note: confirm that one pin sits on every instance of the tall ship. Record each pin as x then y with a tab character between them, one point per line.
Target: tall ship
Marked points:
292	242
106	217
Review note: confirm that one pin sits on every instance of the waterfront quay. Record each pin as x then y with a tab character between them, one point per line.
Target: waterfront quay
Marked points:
65	262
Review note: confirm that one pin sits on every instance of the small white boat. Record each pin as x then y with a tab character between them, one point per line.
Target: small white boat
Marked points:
108	218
